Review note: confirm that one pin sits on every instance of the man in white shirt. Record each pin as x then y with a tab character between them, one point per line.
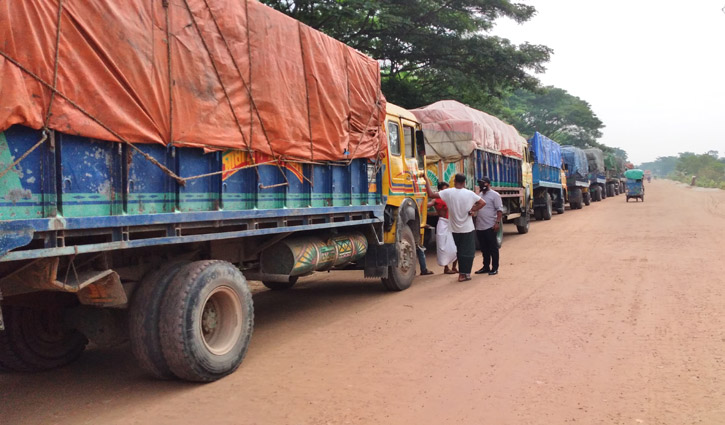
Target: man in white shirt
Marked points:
462	204
487	224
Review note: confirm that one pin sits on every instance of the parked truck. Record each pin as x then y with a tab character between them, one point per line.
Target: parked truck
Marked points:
615	167
460	139
549	190
136	205
576	167
597	174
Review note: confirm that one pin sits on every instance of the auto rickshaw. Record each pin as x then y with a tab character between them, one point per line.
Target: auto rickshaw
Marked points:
635	188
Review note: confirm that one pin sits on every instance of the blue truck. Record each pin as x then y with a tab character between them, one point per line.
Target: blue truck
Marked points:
549	191
576	167
597	174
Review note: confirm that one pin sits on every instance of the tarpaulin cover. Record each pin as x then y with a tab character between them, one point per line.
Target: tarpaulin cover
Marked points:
634	174
546	151
242	75
453	130
596	159
575	160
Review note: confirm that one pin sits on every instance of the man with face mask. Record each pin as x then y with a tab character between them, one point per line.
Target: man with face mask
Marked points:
487	224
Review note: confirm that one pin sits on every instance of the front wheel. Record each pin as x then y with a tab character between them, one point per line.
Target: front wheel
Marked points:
548	210
523	228
587	198
401	276
207	318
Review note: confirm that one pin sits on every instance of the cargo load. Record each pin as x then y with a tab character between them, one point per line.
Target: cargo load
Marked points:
453	131
215	74
576	161
545	150
595	158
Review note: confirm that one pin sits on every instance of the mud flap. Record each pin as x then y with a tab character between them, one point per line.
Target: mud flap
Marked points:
378	259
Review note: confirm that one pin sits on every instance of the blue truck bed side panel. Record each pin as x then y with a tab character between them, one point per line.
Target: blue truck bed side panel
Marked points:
75	183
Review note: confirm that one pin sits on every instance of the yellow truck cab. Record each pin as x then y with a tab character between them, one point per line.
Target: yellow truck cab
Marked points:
404	194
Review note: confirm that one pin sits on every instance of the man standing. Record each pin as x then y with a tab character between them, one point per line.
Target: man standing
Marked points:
487	224
462	204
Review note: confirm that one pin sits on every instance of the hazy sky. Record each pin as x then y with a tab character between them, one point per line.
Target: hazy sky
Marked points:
652	71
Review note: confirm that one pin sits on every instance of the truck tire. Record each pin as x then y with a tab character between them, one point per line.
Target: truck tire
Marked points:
547	212
587	198
523	228
143	320
560	205
281	286
401	276
206	321
603	191
36	339
597	195
575	199
610	190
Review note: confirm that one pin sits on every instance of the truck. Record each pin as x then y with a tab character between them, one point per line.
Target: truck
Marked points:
615	167
460	139
576	168
597	174
138	208
549	190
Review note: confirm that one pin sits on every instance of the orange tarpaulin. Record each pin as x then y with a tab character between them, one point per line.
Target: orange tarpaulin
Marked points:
241	75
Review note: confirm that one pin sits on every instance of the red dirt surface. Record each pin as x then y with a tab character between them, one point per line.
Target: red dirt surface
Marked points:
613	314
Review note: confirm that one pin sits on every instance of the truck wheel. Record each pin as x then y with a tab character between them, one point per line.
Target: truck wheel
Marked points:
206	321
538	213
525	227
281	286
597	195
587	198
499	234
560	205
143	320
401	276
36	339
575	199
603	191
547	212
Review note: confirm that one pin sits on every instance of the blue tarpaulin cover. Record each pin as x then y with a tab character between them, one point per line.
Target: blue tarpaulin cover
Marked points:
546	151
576	161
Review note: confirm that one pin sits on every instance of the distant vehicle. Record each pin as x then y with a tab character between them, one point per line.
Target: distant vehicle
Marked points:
648	175
597	176
460	139
635	188
549	190
577	180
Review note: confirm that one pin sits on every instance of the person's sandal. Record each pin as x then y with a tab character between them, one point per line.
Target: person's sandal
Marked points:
426	273
449	271
463	278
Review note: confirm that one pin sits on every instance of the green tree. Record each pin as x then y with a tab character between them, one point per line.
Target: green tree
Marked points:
663	166
555	113
430	49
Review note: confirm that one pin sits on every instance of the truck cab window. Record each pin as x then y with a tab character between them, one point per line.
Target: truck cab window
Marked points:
409	140
394	138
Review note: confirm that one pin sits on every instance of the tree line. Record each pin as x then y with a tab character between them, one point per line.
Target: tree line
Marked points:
431	50
707	168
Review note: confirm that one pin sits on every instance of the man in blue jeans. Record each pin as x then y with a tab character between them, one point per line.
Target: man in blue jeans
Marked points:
488	221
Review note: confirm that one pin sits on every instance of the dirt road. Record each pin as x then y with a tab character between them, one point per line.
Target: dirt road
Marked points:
613	314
